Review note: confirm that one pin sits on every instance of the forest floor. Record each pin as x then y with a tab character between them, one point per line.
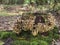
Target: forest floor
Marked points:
7	22
1	43
9	10
9	14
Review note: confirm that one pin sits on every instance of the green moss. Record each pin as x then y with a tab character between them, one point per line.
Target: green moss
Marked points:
20	42
25	42
5	35
43	43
